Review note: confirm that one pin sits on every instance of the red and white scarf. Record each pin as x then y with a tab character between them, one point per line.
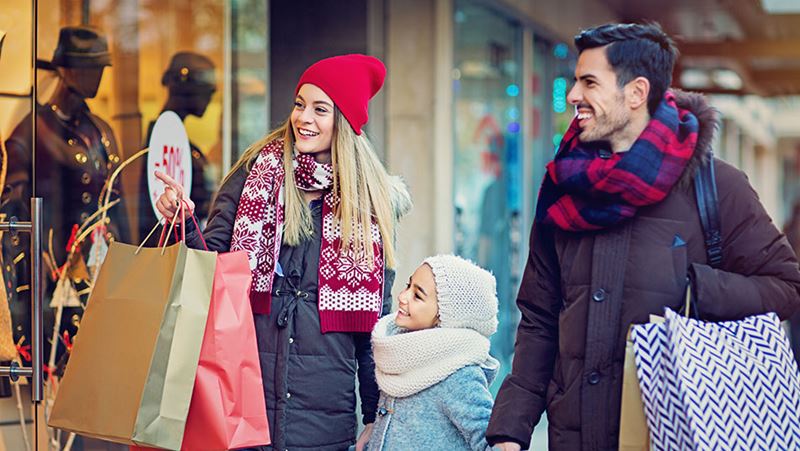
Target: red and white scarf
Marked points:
350	292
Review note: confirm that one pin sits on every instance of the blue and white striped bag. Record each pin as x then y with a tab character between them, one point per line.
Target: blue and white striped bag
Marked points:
707	386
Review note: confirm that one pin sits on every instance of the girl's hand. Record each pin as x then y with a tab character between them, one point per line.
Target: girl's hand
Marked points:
167	203
364	437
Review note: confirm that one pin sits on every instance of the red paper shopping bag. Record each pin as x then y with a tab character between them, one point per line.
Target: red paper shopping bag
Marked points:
227	409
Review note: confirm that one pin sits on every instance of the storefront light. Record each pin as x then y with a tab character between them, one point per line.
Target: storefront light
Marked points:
561	51
512	90
557	140
695	79
560	95
727	79
512	113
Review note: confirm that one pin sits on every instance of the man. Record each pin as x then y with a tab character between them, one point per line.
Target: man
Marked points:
191	82
76	152
617	237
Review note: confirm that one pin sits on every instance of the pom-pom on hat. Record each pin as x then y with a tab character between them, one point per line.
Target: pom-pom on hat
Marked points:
467	294
350	81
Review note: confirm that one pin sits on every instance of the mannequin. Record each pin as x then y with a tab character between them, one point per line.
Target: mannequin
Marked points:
75	154
190	81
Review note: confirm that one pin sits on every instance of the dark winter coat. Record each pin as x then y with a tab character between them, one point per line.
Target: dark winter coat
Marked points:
309	377
582	291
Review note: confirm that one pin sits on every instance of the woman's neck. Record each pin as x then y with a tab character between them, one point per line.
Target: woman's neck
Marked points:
323	157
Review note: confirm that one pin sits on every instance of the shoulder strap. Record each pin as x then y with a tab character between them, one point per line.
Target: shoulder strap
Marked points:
705	186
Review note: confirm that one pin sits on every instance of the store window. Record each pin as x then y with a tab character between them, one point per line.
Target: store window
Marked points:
105	70
487	77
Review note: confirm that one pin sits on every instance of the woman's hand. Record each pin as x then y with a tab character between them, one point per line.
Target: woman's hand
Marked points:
168	204
364	437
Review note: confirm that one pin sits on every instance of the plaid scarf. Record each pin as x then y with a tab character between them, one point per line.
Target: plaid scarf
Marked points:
588	187
349	291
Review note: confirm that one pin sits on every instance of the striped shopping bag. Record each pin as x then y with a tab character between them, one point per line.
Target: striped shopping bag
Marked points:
730	385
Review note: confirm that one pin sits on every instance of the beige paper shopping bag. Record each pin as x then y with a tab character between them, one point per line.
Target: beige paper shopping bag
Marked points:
133	364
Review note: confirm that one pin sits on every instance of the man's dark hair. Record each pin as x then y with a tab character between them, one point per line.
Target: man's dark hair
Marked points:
635	50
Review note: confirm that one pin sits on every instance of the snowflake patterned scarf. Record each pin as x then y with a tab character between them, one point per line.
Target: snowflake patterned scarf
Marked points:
588	187
350	291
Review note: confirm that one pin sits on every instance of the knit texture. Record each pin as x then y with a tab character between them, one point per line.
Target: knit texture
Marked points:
589	187
349	289
467	294
409	362
350	81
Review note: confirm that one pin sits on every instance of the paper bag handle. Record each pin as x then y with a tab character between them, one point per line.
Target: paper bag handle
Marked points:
164	238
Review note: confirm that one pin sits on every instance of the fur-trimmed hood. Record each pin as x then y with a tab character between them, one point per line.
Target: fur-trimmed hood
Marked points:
708	118
400	197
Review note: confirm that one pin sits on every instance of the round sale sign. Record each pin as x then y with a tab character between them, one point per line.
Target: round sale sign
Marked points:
169	152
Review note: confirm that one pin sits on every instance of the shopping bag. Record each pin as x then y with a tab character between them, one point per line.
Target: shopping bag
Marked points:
728	385
228	409
633	433
131	374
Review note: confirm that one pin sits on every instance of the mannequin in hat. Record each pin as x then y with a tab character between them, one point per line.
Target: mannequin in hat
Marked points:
75	154
297	202
190	80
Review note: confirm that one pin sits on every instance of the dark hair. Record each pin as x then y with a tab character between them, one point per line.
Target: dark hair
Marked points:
635	50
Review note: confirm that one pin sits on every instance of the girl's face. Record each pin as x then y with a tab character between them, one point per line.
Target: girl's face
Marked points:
312	122
418	305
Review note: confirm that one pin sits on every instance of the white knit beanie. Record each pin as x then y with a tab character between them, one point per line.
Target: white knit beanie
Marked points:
467	294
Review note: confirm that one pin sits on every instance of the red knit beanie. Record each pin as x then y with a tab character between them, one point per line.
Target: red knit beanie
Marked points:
350	81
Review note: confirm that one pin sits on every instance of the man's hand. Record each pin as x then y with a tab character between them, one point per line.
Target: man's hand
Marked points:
507	446
364	437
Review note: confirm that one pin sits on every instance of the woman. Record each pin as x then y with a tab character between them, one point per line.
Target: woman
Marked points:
298	202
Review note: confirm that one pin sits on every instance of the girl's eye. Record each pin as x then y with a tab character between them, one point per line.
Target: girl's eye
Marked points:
321	110
298	105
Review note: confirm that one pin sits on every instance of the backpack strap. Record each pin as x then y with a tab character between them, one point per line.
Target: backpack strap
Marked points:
705	187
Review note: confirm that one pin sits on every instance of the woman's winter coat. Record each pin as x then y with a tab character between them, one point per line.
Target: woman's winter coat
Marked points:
309	377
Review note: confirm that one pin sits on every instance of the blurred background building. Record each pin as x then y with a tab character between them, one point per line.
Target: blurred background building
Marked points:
473	108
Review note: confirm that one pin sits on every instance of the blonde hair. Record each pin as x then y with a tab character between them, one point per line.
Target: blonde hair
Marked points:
359	179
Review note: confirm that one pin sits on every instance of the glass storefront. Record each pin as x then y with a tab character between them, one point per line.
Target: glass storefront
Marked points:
105	70
487	81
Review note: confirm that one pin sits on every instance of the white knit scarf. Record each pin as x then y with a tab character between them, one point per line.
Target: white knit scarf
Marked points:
408	362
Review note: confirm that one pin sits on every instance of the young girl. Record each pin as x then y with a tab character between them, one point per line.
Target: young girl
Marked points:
432	360
315	210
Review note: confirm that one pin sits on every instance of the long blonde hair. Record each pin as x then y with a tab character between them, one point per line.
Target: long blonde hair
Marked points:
358	177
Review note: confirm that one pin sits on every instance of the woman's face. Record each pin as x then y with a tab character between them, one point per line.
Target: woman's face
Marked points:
312	122
418	306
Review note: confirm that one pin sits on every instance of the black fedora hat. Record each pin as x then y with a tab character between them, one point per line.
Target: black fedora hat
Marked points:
81	47
189	73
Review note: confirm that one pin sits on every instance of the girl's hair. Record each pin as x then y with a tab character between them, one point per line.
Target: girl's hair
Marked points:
359	179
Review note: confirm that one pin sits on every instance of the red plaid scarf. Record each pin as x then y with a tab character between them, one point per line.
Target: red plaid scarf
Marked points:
350	292
589	187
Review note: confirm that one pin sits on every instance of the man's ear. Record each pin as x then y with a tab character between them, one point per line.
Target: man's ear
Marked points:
638	90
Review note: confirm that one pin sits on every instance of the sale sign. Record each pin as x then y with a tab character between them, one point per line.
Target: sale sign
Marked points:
169	152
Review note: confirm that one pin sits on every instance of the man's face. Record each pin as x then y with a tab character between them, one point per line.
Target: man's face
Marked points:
599	102
83	81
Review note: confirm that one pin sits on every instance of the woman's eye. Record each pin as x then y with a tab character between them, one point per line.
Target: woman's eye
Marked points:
298	105
322	110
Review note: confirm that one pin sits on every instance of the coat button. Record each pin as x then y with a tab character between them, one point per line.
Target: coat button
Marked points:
86	198
594	377
291	340
599	295
288	395
382	411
